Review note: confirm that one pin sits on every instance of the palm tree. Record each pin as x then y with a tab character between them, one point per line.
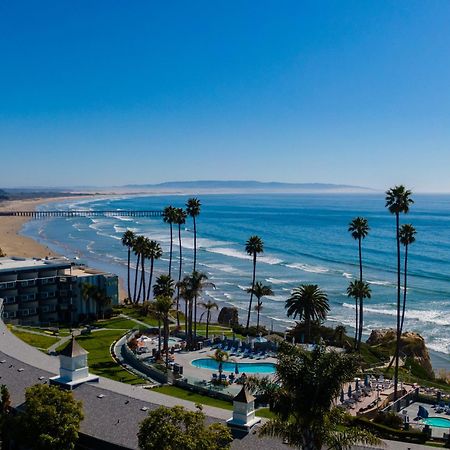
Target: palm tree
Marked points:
209	306
128	241
164	286
398	200
254	246
359	228
220	356
407	237
259	291
359	290
193	210
179	219
144	255
309	303
163	306
138	249
307	383
154	252
169	217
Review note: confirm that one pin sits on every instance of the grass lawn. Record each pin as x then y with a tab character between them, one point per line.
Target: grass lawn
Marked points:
36	340
135	313
184	394
217	330
118	323
100	360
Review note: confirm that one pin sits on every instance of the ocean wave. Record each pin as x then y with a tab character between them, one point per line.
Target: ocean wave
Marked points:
347	275
308	268
439	345
379	282
435	317
224	268
277	281
233	253
276	298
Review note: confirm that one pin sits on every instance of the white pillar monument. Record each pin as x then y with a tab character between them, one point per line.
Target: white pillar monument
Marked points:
243	411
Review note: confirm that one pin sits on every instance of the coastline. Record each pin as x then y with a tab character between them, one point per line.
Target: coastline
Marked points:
28	247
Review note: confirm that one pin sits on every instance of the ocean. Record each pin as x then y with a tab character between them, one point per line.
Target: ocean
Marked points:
305	240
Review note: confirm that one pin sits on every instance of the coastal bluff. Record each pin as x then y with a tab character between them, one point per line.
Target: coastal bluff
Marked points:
412	345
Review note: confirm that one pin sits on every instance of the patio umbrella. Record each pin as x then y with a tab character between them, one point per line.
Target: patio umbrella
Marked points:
252	345
356	384
236	369
349	392
366	380
293	340
220	368
223	337
234	336
248	339
342	397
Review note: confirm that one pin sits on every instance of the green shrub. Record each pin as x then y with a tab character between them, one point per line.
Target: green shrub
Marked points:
389	419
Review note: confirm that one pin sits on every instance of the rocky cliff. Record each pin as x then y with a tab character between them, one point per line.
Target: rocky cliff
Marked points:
412	345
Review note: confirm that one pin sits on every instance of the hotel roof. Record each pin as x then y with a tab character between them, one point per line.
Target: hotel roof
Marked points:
15	263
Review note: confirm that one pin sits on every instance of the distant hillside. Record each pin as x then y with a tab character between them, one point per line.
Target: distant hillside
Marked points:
237	185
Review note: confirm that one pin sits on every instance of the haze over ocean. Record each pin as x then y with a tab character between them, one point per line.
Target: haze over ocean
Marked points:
306	241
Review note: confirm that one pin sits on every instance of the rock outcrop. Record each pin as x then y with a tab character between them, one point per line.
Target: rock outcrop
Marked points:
412	345
228	316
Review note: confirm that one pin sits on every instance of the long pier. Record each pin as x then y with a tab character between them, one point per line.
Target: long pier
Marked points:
82	213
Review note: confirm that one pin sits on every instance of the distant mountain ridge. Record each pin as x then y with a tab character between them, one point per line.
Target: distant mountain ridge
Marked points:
250	185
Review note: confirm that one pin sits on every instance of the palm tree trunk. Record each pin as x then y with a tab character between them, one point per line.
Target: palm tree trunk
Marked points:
308	328
359	325
171	249
397	347
152	262
136	276
405	279
207	324
257	322
140	282
195	318
166	338
179	274
159	336
186	318
251	294
195	242
128	278
143	278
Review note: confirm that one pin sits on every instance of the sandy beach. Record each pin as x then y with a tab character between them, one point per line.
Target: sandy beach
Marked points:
11	242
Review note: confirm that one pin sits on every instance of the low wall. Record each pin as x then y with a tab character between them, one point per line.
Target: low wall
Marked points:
131	359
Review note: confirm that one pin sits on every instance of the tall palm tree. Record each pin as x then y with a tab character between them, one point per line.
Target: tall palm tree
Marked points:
309	303
163	306
179	219
144	255
164	286
398	201
359	229
254	246
209	306
359	290
128	241
153	253
169	217
193	210
407	237
259	291
138	249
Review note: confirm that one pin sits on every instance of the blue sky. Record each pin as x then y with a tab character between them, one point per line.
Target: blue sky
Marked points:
109	93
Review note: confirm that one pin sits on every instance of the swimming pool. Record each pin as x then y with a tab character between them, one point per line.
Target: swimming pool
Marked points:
230	366
437	422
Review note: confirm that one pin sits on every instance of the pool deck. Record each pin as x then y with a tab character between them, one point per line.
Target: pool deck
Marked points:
412	410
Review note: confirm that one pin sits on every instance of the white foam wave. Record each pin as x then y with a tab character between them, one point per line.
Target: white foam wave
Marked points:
277	281
347	275
308	268
233	253
379	282
224	268
277	298
435	317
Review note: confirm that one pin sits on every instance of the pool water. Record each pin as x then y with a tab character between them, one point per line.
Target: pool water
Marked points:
229	366
437	422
